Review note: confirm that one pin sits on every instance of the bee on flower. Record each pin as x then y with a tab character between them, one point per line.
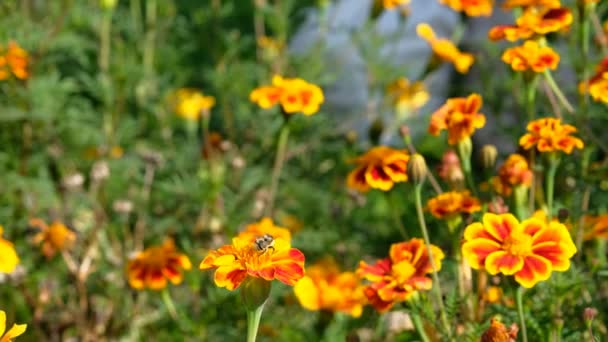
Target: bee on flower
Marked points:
265	226
460	117
530	250
476	8
293	94
14	60
514	172
190	103
531	56
8	256
445	50
325	287
401	275
152	267
533	23
379	168
550	135
52	238
15	331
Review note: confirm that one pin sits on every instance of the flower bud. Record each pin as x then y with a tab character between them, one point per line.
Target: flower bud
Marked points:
488	156
255	292
588	315
108	4
417	168
465	146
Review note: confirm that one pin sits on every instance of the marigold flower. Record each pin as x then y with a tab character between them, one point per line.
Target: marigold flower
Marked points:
264	226
53	238
408	96
508	4
450	204
403	273
549	135
15	331
531	56
515	171
294	95
14	61
445	49
390	4
497	332
597	85
233	263
324	287
459	116
8	256
379	168
473	8
533	22
190	103
493	294
596	227
155	265
530	250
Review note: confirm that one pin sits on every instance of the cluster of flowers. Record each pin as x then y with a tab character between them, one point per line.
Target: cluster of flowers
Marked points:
14	61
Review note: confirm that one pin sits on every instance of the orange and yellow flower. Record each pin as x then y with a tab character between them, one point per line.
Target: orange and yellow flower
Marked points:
325	287
597	85
531	56
550	135
445	49
390	4
13	62
515	171
407	96
508	4
472	8
155	265
379	168
405	271
8	256
454	203
264	226
497	332
52	238
233	263
533	23
190	103
596	227
15	331
459	116
294	94
530	249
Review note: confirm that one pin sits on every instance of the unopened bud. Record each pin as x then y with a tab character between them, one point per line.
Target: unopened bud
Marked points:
108	4
488	156
254	292
404	130
417	168
375	131
589	314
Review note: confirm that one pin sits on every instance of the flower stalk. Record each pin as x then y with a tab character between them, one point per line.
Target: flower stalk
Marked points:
550	185
419	327
558	93
255	292
520	312
278	165
169	303
253	322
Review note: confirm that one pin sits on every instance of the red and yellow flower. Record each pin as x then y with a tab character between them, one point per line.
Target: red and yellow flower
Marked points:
597	85
379	168
52	238
8	256
407	96
14	61
531	56
530	249
533	23
472	8
391	4
401	275
459	116
155	265
15	331
190	103
539	4
325	287
550	135
497	332
595	227
264	226
234	263
294	94
514	172
454	203
445	49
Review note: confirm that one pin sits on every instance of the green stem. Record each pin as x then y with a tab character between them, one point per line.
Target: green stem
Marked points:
253	322
420	327
169	303
465	161
560	96
553	162
425	234
278	166
531	98
520	312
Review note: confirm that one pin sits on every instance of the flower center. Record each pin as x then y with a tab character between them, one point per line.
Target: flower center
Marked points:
518	243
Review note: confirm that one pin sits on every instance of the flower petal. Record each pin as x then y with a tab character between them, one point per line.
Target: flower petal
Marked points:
230	276
504	262
535	269
476	251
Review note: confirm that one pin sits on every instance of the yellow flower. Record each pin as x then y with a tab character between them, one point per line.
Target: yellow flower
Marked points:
597	85
450	204
508	4
190	103
294	94
493	294
459	116
549	135
445	49
390	4
15	331
534	22
473	8
14	61
8	256
155	265
497	332
264	226
380	168
513	172
324	287
54	238
595	227
408	96
531	56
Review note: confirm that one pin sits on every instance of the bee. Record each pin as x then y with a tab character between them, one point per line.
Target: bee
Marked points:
263	243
